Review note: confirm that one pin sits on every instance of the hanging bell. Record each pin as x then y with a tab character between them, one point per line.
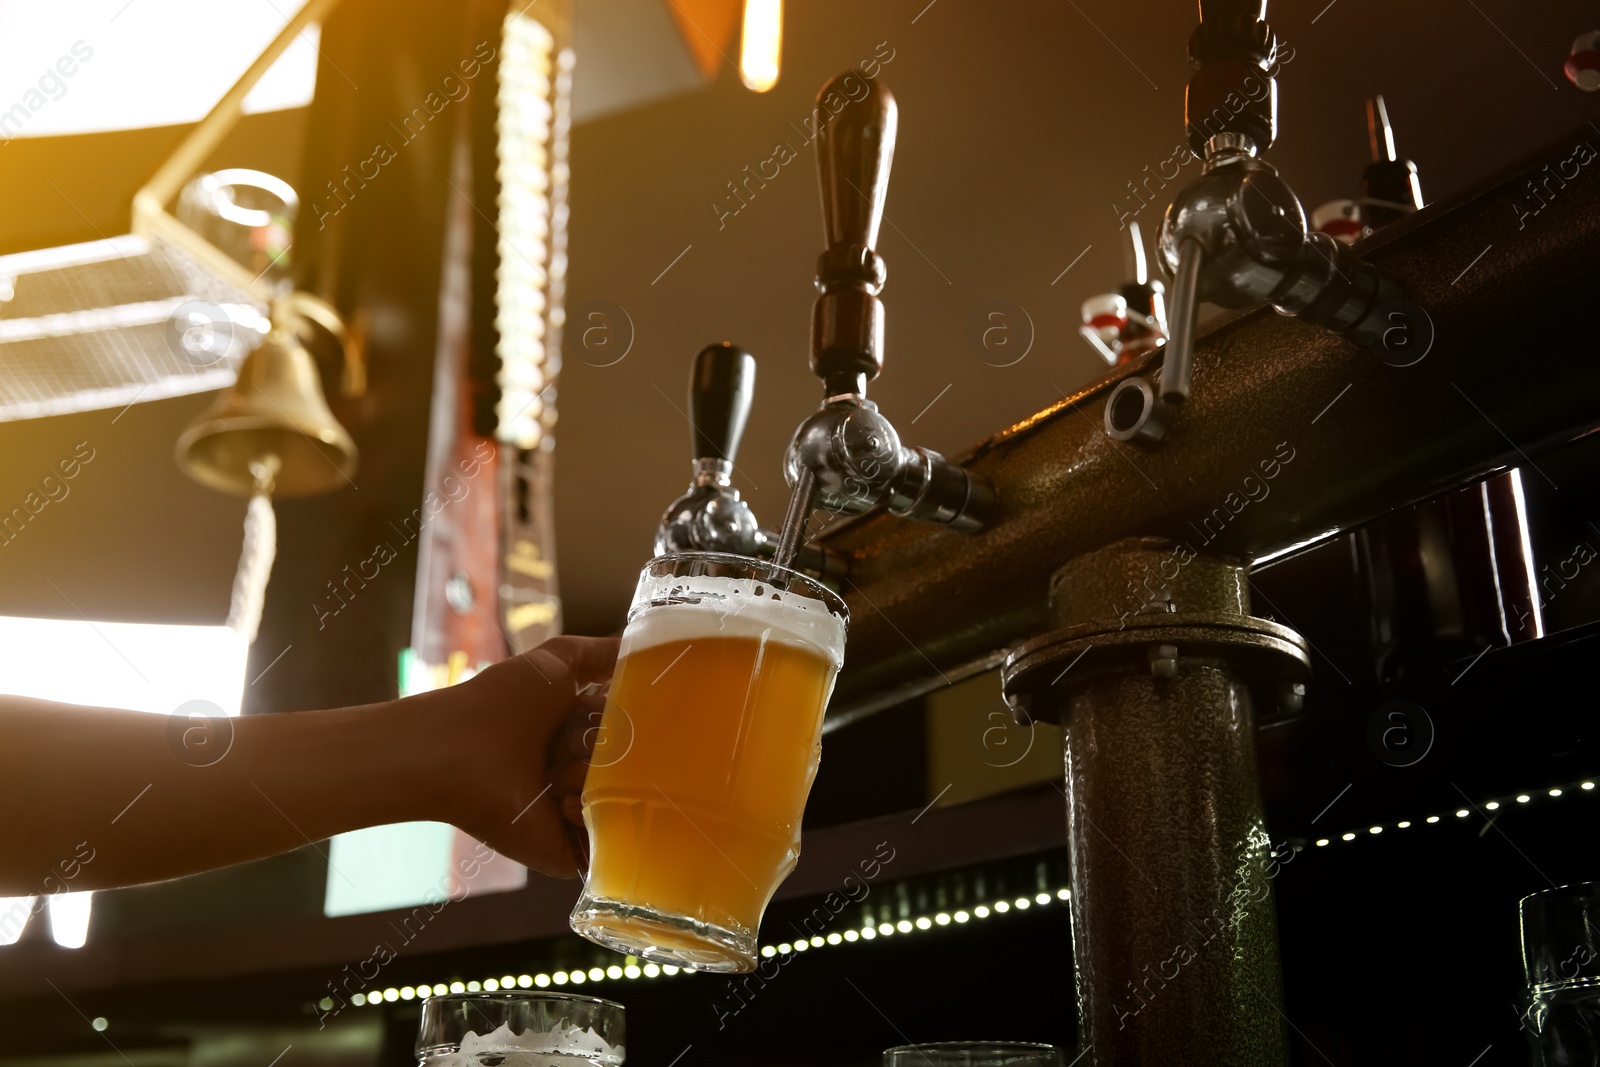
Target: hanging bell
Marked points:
275	409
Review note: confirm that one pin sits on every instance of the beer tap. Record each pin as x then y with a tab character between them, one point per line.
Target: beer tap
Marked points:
711	516
1237	234
1131	320
846	457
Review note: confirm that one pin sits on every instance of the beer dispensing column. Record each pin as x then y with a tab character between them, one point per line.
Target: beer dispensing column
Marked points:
847	458
711	516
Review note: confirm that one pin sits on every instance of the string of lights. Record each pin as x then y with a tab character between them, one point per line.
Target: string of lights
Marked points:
1461	813
634	968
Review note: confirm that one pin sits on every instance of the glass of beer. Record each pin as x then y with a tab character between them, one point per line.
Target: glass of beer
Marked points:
705	753
516	1029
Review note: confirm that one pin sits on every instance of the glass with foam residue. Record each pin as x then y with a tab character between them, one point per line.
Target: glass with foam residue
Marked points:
706	751
514	1029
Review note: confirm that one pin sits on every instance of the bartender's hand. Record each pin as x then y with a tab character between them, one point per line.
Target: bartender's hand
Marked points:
114	797
535	717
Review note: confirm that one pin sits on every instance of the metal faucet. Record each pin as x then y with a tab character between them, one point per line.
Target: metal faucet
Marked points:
1237	234
846	457
711	516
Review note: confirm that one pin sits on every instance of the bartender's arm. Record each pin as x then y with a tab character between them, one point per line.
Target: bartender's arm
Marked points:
502	756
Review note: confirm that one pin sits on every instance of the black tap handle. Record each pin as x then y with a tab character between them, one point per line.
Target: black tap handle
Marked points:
720	390
855	148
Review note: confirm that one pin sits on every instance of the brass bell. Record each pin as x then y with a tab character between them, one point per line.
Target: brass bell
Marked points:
274	418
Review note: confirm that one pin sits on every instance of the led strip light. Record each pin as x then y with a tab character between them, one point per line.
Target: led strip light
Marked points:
635	968
1585	786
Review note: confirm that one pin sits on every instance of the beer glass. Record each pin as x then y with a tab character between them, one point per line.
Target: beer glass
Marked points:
974	1054
1561	964
705	754
514	1029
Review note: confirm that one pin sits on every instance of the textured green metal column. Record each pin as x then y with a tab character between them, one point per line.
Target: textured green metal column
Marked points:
1154	675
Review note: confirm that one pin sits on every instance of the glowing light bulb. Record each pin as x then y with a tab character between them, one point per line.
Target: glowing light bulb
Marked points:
525	981
542	981
1376	830
923	923
651	970
1022	903
359	999
459	987
1321	841
761	44
1063	894
668	968
1463	813
1403	825
868	933
981	911
1001	907
851	935
1347	837
596	973
560	978
768	951
886	929
631	970
1433	818
1523	798
1042	898
816	942
613	972
407	993
943	918
834	939
904	926
577	977
1493	805
1588	785
1555	792
961	916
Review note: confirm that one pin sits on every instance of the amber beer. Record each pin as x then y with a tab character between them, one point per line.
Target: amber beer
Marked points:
706	751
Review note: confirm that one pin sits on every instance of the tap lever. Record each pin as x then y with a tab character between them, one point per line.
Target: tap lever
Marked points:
1390	188
791	538
1178	355
855	149
721	388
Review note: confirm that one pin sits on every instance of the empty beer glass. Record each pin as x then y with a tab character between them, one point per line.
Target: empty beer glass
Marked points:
1561	964
974	1054
514	1029
706	751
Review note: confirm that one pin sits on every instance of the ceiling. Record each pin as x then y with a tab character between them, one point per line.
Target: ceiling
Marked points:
1021	125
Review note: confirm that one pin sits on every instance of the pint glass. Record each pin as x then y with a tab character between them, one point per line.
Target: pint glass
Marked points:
515	1029
705	753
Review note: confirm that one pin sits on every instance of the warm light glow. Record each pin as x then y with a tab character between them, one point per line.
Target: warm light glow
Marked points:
457	987
1588	785
886	928
1463	813
1063	894
1403	825
1433	818
1523	798
491	986
869	933
668	969
1001	907
613	971
440	989
1555	792
961	916
1376	830
525	981
1493	805
1321	841
559	978
651	970
768	951
761	44
851	935
943	918
1022	903
358	999
1347	837
834	939
631	970
69	918
596	973
904	926
800	946
407	993
540	980
981	911
1042	898
923	923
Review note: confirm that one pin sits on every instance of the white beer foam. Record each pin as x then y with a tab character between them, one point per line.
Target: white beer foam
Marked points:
730	607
